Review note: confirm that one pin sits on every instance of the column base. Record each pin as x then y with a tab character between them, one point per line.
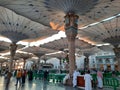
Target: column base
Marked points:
69	82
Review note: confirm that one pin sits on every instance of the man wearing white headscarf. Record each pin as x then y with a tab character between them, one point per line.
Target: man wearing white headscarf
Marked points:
75	74
99	79
88	78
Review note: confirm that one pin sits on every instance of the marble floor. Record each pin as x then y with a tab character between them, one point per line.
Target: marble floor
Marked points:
37	85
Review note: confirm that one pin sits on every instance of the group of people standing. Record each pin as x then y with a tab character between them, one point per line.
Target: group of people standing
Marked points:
88	79
21	76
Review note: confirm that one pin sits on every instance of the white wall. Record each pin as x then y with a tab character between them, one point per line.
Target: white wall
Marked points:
54	61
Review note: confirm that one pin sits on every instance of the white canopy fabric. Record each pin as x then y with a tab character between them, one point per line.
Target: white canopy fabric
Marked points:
62	44
4	46
88	51
3	59
38	51
106	31
19	55
52	12
108	48
58	55
16	27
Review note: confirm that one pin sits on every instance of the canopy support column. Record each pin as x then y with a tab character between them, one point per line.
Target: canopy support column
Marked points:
86	62
71	28
13	48
117	54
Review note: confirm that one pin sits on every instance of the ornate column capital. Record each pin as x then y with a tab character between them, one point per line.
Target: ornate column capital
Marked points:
71	25
117	51
71	20
13	48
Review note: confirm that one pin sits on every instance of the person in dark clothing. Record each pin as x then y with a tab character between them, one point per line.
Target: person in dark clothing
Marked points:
30	75
9	75
46	73
23	76
15	72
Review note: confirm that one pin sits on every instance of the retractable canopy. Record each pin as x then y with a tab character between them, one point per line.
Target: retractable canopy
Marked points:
16	27
38	51
104	32
4	46
52	12
62	44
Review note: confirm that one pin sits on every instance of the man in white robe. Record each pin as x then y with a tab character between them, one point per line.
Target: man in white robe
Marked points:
88	79
75	74
99	79
66	78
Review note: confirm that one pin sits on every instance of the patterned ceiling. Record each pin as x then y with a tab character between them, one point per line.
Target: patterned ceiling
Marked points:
16	27
4	46
38	51
106	31
3	59
20	55
62	44
52	12
59	55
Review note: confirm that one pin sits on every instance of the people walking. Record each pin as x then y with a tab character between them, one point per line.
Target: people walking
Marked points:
18	77
24	73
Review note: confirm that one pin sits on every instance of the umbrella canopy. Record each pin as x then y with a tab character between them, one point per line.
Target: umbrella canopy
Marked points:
3	59
105	31
19	55
52	12
59	55
38	51
62	44
16	27
4	46
89	51
108	48
24	55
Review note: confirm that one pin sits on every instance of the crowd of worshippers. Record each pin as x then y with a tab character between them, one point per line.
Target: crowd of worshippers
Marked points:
89	83
22	74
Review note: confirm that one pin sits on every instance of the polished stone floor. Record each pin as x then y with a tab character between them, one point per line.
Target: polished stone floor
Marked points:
38	85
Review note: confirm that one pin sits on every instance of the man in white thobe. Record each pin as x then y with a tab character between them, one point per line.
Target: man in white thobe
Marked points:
99	79
88	78
75	74
66	78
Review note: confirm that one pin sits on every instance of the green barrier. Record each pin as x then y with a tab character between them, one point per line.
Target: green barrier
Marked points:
113	82
56	77
94	81
107	75
51	76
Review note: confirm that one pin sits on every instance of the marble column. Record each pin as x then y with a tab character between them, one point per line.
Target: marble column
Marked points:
104	64
71	28
60	63
39	66
86	62
117	54
1	66
24	60
13	48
